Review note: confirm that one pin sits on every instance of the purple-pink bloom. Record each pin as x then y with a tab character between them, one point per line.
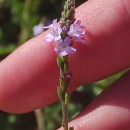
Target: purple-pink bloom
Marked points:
55	35
63	48
76	30
37	29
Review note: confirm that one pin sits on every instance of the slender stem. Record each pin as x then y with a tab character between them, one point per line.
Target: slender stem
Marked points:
62	89
67	18
39	119
65	115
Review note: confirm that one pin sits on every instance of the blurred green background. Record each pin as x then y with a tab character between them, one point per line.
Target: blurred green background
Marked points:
17	19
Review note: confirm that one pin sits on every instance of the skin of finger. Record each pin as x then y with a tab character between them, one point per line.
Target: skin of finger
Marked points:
109	111
29	76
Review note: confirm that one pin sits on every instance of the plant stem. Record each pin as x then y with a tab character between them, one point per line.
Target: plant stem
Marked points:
39	119
65	115
67	18
62	89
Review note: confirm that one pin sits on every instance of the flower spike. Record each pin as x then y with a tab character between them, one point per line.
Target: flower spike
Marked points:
64	37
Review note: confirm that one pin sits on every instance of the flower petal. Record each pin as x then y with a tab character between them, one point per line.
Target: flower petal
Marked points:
57	38
70	50
49	37
77	25
81	40
67	41
65	51
53	25
54	22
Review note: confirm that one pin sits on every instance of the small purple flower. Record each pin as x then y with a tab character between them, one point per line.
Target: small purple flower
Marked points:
76	30
63	47
37	29
55	35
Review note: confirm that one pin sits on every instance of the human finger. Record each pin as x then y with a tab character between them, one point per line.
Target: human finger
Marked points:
29	75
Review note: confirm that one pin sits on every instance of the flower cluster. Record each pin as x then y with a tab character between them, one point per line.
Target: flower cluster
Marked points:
64	46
